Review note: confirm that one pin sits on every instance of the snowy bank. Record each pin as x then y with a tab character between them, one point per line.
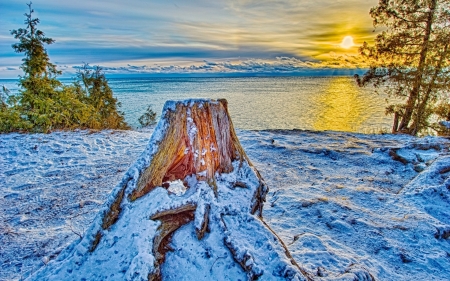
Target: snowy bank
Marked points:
336	199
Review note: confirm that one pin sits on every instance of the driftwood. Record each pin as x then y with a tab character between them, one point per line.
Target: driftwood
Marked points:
194	149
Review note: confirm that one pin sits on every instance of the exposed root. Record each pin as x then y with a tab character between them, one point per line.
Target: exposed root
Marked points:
166	213
240	184
95	242
307	275
114	211
205	224
394	155
171	220
442	233
444	170
243	261
259	198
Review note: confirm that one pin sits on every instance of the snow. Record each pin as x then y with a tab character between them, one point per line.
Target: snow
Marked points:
336	200
177	187
121	240
339	198
445	124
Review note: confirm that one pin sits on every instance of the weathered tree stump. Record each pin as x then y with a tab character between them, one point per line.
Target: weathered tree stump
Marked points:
192	195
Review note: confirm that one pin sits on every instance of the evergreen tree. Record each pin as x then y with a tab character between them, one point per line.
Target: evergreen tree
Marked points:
93	86
4	94
10	117
148	118
43	102
411	56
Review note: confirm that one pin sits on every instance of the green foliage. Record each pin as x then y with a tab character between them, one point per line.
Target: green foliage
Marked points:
93	88
36	63
10	117
43	103
148	118
411	56
4	94
11	121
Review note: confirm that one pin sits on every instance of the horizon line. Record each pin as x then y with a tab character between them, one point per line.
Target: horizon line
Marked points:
318	72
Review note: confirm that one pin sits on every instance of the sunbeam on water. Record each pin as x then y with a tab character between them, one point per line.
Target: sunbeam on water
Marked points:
341	106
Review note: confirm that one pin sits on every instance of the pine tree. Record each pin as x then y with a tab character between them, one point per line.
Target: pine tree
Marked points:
93	86
148	118
411	56
44	103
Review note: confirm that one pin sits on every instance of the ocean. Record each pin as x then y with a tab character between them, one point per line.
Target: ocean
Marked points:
258	103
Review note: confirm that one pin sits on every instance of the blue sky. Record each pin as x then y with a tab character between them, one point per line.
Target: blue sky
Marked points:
194	37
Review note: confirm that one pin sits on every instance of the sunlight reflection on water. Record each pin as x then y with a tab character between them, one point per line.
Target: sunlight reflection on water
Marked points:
342	106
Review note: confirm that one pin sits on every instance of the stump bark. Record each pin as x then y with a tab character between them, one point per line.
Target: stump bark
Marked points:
193	185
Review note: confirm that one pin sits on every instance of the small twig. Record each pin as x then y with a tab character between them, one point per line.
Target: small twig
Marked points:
273	202
75	232
79	214
7	230
210	270
223	222
296	237
240	184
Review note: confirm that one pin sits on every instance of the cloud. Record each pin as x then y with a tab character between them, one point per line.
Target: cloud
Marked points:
117	32
278	66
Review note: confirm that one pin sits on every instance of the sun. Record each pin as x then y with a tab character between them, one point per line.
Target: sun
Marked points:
347	42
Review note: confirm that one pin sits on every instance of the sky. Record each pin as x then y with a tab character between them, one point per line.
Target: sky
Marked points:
196	36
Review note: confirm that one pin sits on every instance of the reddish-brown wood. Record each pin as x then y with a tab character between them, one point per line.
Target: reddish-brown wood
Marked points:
200	141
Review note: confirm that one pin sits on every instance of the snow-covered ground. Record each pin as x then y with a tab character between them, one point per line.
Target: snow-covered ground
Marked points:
335	199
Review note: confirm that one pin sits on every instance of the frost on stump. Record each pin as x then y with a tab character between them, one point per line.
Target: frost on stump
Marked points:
189	208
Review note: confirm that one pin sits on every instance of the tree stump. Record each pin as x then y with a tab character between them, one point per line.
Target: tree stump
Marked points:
190	207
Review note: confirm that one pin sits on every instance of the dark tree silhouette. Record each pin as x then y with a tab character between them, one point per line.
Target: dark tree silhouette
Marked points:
411	57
